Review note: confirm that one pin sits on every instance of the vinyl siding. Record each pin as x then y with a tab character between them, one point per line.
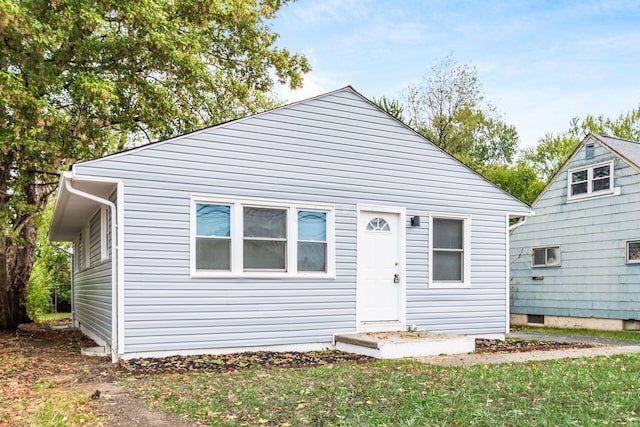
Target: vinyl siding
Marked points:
337	149
593	279
92	287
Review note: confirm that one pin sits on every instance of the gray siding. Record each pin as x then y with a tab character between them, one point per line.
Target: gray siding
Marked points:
336	149
593	279
92	287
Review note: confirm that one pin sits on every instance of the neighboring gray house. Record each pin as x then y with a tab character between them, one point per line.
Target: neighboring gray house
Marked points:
280	230
576	262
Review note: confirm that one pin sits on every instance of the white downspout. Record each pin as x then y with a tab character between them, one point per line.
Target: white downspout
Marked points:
513	227
114	263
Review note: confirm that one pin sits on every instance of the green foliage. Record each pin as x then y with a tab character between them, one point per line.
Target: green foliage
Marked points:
391	106
51	271
520	180
79	79
449	109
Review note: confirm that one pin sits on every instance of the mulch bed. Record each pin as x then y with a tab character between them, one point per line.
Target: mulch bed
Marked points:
232	362
270	359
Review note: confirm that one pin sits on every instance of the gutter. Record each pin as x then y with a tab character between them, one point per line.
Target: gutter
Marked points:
114	262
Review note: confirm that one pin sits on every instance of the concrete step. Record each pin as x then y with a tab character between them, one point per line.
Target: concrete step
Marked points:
399	344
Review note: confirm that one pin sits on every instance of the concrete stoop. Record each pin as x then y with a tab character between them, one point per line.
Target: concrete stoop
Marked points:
399	344
95	351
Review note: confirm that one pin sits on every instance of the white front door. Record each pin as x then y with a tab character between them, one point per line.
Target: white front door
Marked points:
380	272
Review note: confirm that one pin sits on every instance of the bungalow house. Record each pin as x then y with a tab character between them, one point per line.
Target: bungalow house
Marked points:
279	230
576	263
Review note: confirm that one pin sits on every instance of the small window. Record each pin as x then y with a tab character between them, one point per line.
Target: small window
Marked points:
633	251
594	180
450	250
378	224
546	257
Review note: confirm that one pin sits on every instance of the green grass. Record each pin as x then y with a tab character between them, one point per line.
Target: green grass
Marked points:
54	316
584	392
620	335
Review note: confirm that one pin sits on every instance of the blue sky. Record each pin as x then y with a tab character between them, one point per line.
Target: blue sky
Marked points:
540	62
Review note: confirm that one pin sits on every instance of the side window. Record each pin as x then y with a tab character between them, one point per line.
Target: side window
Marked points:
450	250
312	241
633	251
213	237
546	257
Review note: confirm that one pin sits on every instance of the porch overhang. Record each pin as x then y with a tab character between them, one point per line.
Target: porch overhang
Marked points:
71	212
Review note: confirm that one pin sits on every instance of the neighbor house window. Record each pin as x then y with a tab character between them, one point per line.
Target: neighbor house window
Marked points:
261	238
450	250
593	180
546	257
633	251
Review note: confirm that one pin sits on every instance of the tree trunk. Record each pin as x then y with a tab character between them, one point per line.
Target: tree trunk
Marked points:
9	319
17	249
16	262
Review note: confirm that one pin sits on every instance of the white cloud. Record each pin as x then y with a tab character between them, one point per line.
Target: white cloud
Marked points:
313	85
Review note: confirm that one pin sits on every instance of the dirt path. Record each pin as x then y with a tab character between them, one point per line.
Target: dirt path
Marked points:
122	409
40	365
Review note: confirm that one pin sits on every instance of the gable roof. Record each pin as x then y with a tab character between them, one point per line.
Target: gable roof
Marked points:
627	150
347	88
220	125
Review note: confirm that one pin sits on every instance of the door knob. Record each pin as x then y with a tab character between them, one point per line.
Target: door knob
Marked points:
396	278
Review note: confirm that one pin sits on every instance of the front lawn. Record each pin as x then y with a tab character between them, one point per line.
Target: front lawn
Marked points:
596	391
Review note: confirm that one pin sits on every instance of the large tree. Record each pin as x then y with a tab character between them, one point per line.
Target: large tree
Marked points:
448	107
80	78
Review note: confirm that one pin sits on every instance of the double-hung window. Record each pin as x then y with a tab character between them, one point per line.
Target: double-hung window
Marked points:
450	255
261	238
591	181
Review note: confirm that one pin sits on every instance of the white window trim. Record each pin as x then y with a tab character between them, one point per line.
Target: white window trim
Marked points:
466	246
104	224
237	238
626	251
590	193
545	265
86	246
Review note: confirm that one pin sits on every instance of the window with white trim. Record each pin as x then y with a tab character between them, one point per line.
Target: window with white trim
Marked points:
590	181
546	257
105	233
633	251
450	255
249	238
